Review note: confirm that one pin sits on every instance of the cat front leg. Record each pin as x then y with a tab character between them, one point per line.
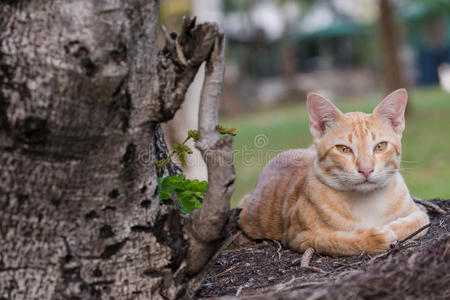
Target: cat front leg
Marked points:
405	226
345	243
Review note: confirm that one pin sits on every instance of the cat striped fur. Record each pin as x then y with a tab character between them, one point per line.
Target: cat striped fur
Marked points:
344	195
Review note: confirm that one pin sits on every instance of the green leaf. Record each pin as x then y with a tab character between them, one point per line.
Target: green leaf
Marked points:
188	202
186	149
188	192
165	188
182	157
199	195
226	130
193	134
181	151
161	163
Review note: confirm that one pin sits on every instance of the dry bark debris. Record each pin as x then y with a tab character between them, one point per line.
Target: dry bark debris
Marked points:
416	269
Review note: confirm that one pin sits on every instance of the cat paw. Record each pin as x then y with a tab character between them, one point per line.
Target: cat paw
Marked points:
380	239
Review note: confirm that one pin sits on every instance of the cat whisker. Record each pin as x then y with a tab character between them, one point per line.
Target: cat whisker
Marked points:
409	161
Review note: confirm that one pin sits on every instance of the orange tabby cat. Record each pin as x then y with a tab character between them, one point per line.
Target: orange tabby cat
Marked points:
344	194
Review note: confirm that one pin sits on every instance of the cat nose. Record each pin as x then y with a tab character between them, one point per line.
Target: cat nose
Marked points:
365	171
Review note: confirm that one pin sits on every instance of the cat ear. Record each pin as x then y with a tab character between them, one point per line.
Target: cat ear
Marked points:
322	114
392	109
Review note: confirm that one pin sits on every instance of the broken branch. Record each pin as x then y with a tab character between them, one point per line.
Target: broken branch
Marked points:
414	234
178	63
429	205
207	223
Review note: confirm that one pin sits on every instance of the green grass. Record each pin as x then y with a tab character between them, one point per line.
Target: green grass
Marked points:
426	140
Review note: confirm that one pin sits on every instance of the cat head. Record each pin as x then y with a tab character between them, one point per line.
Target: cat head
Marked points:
357	151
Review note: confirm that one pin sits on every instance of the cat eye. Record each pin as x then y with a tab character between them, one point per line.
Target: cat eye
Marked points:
380	147
344	149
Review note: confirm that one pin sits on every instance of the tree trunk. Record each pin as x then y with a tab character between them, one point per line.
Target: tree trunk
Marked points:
392	70
82	92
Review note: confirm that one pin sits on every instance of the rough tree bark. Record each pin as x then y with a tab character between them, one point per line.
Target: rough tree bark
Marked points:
83	89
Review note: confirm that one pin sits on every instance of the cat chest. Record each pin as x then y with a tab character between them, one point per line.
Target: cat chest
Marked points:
369	212
349	216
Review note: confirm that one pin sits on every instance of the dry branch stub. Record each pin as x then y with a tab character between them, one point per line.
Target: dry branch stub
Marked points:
178	63
208	222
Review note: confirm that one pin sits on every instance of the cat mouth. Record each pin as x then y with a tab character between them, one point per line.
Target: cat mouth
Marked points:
366	182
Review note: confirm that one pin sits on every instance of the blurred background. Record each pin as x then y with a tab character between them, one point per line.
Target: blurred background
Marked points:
354	52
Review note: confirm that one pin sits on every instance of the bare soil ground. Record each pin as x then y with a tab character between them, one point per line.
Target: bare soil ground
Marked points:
416	269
